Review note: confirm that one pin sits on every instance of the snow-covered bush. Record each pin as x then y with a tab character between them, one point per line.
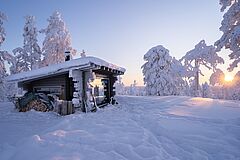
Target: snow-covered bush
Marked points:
230	27
161	72
57	40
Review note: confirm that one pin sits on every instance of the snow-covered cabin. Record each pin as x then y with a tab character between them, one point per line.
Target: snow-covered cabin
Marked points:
73	80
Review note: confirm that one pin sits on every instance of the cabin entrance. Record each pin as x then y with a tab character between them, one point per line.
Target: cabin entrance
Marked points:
100	90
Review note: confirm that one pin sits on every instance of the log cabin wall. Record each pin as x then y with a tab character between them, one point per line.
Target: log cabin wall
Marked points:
58	82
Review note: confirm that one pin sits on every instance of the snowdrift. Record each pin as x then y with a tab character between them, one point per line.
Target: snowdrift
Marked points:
153	128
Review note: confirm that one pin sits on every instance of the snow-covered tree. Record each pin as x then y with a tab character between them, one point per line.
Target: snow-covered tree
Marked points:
2	75
6	89
217	77
179	74
236	79
22	63
30	42
57	40
28	56
120	88
201	55
160	74
4	57
3	18
230	27
206	90
236	87
133	88
192	89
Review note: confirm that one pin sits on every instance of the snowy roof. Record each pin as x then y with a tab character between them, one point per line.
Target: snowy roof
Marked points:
79	63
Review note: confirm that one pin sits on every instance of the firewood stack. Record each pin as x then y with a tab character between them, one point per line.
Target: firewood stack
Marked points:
37	105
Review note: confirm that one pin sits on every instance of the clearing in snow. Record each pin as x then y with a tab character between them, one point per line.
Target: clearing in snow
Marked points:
149	128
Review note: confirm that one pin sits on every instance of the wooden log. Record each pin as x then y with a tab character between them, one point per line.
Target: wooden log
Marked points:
36	105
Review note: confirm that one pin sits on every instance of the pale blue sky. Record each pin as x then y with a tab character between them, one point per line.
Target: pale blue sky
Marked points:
122	31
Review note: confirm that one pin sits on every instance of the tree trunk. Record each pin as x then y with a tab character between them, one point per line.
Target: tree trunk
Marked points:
197	75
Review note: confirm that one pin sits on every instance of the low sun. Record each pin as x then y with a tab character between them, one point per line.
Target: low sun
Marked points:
228	78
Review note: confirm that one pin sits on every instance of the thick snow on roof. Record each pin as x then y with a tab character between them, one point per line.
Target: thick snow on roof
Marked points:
62	67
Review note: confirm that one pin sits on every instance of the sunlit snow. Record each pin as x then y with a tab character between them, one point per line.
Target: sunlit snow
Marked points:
138	128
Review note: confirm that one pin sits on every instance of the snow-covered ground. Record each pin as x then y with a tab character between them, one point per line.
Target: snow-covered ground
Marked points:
151	128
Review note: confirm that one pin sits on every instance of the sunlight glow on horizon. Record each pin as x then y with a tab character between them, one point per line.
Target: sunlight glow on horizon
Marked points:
228	78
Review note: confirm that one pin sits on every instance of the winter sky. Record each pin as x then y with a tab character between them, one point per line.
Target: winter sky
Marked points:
121	32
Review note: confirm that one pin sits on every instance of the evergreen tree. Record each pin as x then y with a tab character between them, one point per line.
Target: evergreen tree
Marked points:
22	63
30	42
3	18
4	57
57	40
160	76
230	27
28	56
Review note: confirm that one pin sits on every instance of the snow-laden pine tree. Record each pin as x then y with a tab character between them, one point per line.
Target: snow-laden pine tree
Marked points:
217	77
30	42
201	55
22	63
28	56
57	40
160	74
3	18
179	73
4	57
230	27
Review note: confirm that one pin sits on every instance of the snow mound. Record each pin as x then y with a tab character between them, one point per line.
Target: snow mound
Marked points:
174	128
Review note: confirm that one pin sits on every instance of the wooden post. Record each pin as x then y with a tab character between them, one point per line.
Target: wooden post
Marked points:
64	108
69	107
84	85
